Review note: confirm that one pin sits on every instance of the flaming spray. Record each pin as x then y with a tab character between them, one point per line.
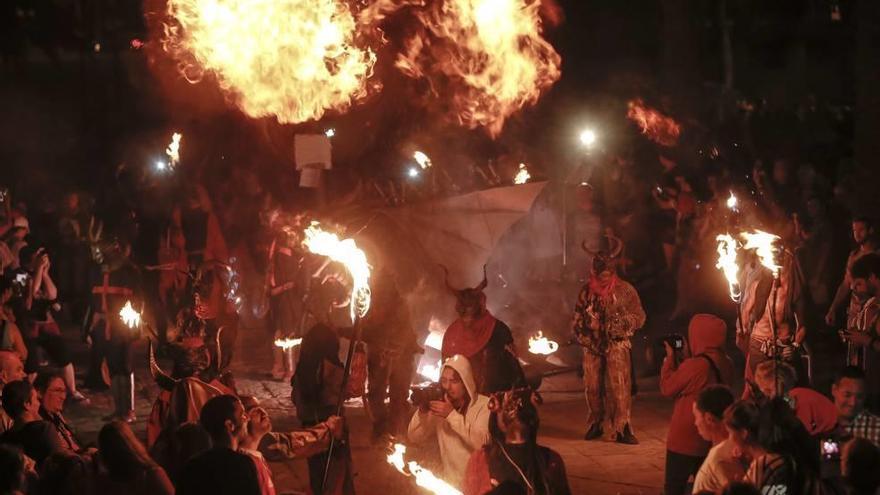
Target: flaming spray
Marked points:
659	128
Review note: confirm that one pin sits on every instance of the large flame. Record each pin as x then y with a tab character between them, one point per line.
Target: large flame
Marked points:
764	244
424	478
291	59
727	253
173	150
539	344
345	251
130	317
659	128
522	175
486	58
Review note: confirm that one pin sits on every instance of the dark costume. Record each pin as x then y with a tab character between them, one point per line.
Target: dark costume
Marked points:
391	342
288	280
866	320
484	340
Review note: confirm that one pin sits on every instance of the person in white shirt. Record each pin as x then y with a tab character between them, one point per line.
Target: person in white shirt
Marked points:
721	465
460	422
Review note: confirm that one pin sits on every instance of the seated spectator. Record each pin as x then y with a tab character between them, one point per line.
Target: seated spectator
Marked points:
64	473
52	393
221	470
514	455
36	437
708	364
722	465
188	441
258	426
459	423
127	468
11	370
296	444
784	457
12	471
859	465
849	398
815	411
10	335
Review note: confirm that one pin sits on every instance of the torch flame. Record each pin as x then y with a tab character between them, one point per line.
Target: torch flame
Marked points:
291	59
522	176
130	317
732	202
288	343
765	247
173	150
486	57
659	128
321	242
542	345
727	253
422	159
424	478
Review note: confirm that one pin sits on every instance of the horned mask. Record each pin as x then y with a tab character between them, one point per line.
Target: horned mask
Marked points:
469	301
605	260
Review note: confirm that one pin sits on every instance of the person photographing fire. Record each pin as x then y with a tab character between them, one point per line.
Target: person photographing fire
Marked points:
459	419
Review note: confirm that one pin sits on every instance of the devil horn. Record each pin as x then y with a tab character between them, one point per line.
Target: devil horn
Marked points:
485	282
446	279
219	354
615	244
162	379
588	250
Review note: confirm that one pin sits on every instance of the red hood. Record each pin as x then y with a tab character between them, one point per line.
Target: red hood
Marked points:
706	332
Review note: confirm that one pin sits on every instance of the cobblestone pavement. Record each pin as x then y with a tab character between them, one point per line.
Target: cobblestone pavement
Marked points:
593	467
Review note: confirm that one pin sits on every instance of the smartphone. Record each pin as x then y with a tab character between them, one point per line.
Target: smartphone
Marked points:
830	449
21	279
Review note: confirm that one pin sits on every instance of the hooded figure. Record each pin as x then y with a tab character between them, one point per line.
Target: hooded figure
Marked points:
708	365
464	429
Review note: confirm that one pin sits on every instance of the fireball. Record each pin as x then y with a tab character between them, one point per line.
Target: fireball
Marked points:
764	245
345	251
424	477
130	317
659	128
727	253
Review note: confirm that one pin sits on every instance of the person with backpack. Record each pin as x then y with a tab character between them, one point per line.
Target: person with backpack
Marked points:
707	365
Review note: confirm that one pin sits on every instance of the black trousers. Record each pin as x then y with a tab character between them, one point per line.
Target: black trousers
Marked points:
679	467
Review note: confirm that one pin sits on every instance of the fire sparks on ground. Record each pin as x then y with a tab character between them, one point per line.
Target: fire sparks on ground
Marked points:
765	247
291	59
659	128
130	317
173	150
542	345
523	175
424	478
727	254
486	57
422	159
431	371
345	251
287	343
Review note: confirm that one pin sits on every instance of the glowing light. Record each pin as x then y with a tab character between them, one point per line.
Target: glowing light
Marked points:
485	58
345	251
287	343
659	128
727	263
764	245
587	137
538	344
160	165
291	59
130	317
424	478
412	172
431	371
434	340
330	132
522	175
422	159
173	150
732	202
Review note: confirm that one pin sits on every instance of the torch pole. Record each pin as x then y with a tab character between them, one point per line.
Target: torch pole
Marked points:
773	335
564	224
355	339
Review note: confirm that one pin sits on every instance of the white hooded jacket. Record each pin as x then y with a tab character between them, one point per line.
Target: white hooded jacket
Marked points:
458	435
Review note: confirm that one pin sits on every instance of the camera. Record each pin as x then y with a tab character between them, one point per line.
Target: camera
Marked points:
675	340
422	395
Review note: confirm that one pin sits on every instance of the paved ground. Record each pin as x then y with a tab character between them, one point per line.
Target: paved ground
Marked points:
593	467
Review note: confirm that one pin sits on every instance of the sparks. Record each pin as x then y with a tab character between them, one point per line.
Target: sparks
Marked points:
539	344
291	59
424	478
522	176
727	263
422	159
345	251
288	343
764	245
173	150
659	128
130	317
732	202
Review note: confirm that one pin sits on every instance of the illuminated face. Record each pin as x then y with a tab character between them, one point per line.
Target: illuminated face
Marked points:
53	397
453	385
704	422
860	232
259	422
859	286
849	397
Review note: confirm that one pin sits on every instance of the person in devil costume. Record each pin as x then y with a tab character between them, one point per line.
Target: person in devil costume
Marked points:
483	339
607	314
287	280
115	282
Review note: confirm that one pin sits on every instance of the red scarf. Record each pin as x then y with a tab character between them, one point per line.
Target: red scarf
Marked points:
468	341
603	292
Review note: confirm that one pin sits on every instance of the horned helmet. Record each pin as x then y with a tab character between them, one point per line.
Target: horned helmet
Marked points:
605	260
469	301
515	405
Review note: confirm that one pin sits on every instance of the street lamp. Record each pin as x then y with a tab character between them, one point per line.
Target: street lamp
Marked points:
587	137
